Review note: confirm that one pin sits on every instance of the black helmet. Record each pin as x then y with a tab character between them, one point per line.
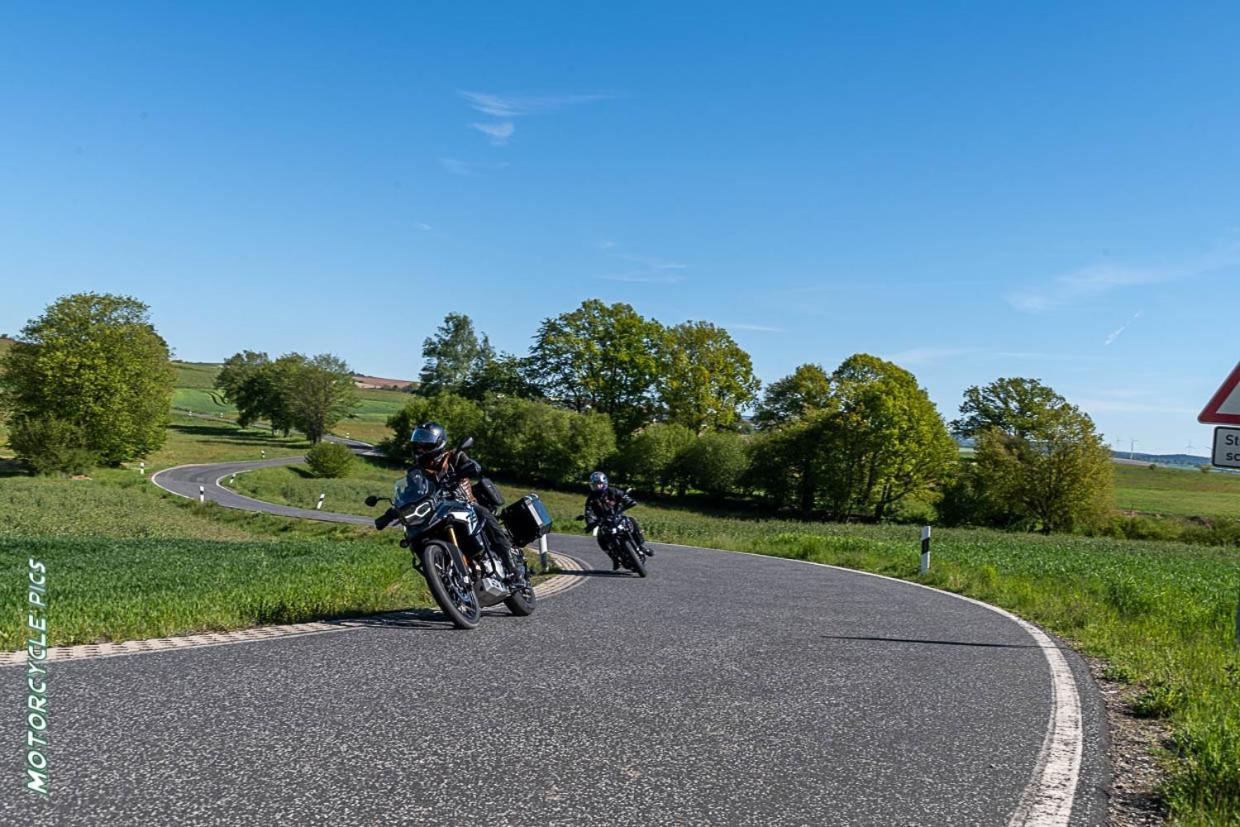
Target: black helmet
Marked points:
429	440
598	481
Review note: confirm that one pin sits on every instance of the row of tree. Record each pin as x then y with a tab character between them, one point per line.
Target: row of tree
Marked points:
311	394
860	441
606	359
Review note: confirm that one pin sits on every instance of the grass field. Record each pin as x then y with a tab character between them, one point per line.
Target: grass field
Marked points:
1176	492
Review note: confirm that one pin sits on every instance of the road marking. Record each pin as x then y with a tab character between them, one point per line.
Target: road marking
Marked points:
1051	792
558	584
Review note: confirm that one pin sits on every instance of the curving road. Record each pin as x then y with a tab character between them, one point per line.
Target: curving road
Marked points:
725	689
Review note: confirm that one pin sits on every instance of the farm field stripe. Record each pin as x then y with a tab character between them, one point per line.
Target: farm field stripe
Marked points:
1048	798
557	584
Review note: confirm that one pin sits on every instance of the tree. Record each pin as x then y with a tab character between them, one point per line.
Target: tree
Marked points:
600	358
714	462
705	377
95	362
1014	406
537	441
247	383
503	374
48	445
650	457
886	440
1038	460
460	417
451	355
318	394
806	389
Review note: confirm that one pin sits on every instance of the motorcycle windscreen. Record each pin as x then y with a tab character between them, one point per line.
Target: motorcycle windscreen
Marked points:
415	486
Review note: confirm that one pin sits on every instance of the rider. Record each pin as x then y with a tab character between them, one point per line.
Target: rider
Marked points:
439	463
603	500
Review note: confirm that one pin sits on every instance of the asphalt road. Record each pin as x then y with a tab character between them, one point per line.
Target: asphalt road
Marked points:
724	689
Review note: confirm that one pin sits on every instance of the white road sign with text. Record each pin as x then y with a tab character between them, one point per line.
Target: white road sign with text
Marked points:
1226	448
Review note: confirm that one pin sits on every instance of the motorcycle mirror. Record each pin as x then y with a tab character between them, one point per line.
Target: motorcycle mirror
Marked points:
467	442
372	501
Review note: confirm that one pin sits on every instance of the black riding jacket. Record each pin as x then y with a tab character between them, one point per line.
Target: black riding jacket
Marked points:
601	503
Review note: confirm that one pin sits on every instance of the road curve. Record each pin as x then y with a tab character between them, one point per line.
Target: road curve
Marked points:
725	689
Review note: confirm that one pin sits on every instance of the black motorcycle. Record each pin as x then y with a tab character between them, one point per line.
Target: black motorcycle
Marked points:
615	529
450	549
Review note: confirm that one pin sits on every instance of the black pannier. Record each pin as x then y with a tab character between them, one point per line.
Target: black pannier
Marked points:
526	519
488	494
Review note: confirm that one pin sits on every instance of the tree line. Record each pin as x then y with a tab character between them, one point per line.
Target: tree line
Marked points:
664	409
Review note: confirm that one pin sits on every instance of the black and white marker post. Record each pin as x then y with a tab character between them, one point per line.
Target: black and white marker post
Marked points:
925	549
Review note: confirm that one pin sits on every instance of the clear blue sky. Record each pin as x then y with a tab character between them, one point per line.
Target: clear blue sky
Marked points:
972	190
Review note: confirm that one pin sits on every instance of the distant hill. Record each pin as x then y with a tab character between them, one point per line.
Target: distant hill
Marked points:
1159	459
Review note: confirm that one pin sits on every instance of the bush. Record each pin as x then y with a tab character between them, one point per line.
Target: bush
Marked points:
648	459
537	441
714	462
329	460
458	415
48	445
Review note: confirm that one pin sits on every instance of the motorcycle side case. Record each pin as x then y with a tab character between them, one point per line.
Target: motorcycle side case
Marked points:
526	520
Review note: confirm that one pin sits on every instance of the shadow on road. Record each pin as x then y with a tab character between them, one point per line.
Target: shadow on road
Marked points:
934	642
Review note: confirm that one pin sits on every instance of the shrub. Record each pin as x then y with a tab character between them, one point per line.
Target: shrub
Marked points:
714	462
48	445
329	460
458	415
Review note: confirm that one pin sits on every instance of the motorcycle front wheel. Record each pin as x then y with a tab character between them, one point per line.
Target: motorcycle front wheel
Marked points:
451	589
636	563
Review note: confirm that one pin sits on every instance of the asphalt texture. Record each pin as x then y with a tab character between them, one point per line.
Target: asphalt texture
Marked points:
723	689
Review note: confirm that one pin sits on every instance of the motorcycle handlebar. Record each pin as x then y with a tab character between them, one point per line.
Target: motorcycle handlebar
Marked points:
385	519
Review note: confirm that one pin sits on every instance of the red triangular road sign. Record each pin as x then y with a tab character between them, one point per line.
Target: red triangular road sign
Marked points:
1224	407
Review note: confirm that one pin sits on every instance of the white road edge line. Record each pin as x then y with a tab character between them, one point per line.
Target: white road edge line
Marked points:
1048	798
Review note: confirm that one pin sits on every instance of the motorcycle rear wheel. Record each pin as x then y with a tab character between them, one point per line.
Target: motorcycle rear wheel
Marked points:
454	593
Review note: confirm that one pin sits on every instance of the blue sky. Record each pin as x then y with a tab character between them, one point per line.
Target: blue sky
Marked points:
972	190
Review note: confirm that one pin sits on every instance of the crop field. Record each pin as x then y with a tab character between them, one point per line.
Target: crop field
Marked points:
1176	492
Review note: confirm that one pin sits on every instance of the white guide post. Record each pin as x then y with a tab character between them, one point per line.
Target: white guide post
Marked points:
542	552
202	494
925	549
319	505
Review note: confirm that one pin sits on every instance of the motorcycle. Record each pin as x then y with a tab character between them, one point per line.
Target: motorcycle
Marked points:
446	536
616	530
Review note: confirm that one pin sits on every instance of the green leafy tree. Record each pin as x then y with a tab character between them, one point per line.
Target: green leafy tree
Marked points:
806	389
1038	460
329	460
788	463
248	383
95	362
601	358
452	355
537	441
714	462
317	394
461	417
886	439
48	445
705	377
650	457
503	375
1015	406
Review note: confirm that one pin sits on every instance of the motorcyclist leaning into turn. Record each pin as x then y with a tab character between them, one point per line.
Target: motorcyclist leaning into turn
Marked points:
603	500
448	467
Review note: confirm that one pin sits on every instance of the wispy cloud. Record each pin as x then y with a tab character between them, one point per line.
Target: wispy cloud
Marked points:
458	167
642	277
508	107
1115	334
515	106
1121	406
653	263
1099	279
757	328
929	355
422	225
499	132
